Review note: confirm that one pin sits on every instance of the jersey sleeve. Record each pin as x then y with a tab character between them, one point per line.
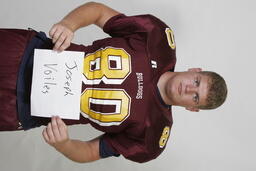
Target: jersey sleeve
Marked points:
122	26
142	25
105	150
158	37
131	148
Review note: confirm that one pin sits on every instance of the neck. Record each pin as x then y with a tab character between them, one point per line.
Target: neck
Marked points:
162	86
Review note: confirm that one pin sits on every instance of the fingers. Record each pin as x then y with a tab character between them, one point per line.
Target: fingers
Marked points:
48	134
56	132
62	43
52	31
62	127
45	135
61	36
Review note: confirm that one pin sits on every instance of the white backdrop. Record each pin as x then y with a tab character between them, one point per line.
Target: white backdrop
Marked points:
214	34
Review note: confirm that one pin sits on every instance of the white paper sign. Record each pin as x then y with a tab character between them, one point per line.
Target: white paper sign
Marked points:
56	84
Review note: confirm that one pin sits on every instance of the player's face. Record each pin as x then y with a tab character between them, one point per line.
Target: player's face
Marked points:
188	89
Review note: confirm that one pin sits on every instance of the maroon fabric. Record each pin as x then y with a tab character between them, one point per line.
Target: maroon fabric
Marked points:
12	46
143	38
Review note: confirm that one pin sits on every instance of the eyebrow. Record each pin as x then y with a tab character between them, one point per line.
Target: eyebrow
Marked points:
199	80
197	101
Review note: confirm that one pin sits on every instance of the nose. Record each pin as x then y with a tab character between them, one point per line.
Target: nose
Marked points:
191	89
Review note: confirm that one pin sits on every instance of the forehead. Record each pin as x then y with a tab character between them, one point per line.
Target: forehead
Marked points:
203	88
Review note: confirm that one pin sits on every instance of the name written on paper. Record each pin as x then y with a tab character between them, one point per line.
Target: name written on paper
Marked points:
68	82
50	74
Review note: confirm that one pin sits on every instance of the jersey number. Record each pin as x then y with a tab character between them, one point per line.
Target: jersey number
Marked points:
164	137
106	106
110	66
170	37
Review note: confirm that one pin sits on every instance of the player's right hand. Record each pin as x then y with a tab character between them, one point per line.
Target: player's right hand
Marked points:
61	36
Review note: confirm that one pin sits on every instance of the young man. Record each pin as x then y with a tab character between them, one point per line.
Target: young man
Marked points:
129	84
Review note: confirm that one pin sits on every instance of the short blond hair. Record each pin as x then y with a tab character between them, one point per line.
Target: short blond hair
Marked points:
217	90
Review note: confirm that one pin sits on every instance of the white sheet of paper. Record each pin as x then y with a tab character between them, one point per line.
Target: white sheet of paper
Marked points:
56	83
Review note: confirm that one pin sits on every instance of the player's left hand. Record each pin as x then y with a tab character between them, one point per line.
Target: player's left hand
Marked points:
56	132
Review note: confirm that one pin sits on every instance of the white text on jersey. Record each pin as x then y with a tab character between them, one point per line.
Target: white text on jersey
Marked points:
140	85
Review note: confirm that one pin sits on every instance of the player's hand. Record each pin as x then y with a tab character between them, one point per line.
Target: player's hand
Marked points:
56	132
61	36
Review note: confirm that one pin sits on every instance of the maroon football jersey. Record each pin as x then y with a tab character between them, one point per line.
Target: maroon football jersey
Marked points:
120	95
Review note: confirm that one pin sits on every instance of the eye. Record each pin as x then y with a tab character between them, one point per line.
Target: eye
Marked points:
197	82
196	98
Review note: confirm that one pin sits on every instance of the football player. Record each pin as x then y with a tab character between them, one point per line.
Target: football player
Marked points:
129	84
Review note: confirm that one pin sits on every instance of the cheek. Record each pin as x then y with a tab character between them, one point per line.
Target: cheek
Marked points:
186	100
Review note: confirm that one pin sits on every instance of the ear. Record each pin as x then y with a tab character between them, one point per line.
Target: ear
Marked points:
192	109
194	69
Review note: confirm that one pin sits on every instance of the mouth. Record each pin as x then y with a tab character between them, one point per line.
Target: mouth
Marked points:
180	88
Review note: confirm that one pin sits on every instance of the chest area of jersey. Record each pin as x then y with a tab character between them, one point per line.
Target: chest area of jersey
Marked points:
114	80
